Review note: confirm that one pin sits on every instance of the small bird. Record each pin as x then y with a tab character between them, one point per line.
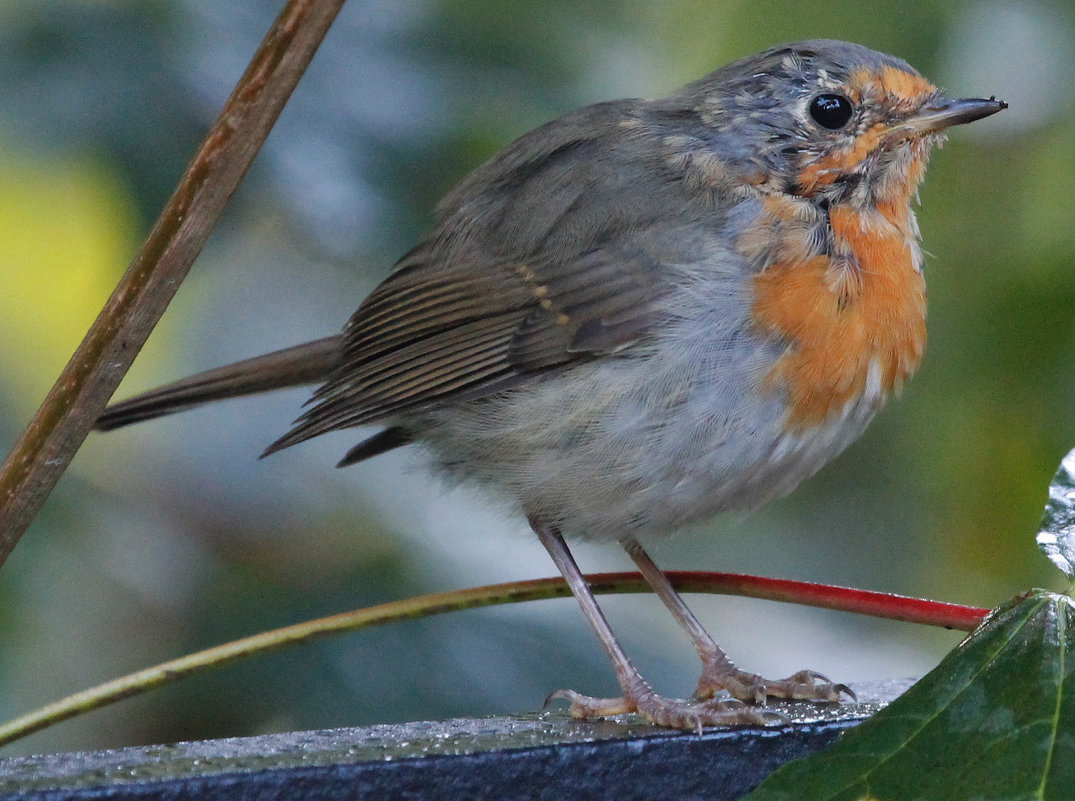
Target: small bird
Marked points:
644	313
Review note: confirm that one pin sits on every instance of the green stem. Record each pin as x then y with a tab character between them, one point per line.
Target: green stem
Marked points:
862	601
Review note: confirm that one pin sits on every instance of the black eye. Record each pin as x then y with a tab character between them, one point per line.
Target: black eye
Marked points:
831	111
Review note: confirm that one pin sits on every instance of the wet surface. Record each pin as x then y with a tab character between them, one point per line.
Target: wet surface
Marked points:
1057	535
490	753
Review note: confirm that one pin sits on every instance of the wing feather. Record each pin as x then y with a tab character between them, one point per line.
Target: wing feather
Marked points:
551	254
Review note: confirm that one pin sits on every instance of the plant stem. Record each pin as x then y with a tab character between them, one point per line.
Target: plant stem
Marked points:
878	604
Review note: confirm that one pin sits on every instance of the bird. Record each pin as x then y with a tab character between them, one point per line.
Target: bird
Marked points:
643	314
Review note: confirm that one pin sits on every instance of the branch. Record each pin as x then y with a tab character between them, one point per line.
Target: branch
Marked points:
895	607
59	427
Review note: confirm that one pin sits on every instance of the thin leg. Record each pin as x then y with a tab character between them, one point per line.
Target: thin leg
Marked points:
638	696
718	671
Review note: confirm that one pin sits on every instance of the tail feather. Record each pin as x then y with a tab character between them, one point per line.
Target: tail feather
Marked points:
379	443
310	363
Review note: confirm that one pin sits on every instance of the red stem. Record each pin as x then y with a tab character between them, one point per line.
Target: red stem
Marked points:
863	602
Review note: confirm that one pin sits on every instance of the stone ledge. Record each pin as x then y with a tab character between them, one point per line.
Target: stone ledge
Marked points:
530	756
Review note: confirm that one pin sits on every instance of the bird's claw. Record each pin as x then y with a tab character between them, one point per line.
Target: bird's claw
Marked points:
805	685
671	712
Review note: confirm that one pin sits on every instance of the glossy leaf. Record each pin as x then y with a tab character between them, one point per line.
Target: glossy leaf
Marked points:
995	720
1057	535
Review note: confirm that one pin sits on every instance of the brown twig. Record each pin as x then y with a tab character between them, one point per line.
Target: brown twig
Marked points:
59	427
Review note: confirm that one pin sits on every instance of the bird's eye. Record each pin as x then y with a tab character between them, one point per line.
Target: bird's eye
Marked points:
831	111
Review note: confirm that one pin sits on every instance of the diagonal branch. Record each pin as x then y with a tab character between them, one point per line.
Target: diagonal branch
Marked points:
59	427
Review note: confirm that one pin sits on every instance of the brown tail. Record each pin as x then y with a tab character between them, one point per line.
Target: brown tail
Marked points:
303	364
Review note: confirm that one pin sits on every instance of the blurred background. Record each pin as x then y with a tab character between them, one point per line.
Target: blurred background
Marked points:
172	536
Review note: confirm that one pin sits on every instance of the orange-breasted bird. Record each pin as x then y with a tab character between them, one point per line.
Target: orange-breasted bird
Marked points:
644	313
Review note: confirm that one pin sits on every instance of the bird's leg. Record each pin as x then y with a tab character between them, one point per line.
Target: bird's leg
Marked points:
638	696
718	671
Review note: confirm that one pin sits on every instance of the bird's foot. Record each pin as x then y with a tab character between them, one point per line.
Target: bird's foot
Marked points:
806	685
676	713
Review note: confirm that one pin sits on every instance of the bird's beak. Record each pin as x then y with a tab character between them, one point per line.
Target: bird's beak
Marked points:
942	113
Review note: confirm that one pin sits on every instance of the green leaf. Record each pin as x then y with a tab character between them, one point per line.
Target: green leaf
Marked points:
1057	535
995	720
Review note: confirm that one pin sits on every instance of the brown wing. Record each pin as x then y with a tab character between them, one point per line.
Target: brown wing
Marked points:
425	337
547	255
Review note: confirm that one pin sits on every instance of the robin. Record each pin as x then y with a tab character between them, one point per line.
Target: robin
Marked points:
644	313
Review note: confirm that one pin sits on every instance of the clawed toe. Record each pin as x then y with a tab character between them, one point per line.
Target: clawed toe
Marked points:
809	685
732	712
587	706
746	705
805	685
672	712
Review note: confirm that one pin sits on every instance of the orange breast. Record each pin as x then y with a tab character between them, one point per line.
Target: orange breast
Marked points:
854	324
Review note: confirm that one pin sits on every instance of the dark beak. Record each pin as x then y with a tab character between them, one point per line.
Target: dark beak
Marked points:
942	113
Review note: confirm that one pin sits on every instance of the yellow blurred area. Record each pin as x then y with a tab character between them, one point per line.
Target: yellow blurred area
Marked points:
67	232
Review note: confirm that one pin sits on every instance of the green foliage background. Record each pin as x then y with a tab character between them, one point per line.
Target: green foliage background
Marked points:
172	536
